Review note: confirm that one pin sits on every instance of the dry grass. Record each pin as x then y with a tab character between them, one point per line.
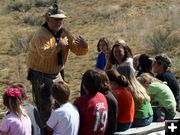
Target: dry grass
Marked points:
132	20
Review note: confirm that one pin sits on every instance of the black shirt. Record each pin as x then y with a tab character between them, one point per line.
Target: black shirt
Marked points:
112	113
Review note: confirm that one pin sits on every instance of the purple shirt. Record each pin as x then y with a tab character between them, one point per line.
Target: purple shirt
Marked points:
16	126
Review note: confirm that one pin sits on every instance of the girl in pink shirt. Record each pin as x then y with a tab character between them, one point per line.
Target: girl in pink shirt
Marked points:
16	122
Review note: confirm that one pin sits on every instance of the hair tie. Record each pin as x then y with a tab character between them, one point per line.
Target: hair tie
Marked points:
13	92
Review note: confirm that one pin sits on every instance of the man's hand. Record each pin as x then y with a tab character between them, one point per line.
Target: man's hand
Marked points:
81	42
47	130
63	42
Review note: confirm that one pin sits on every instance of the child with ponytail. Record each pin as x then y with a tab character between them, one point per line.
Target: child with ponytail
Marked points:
16	121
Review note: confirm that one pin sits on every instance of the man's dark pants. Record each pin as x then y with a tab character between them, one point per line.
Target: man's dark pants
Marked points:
41	91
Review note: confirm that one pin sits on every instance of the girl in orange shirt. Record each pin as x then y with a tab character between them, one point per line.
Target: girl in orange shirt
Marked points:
119	85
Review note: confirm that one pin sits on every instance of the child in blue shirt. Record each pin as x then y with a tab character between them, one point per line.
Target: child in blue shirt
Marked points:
103	48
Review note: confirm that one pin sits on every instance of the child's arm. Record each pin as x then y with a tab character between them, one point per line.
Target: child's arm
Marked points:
3	126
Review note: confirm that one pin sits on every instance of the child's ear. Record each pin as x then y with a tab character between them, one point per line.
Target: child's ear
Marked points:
56	104
56	101
146	85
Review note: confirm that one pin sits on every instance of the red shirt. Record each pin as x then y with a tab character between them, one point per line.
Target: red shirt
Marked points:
93	110
125	105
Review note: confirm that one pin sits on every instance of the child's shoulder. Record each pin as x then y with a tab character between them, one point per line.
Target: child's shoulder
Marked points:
65	110
83	99
167	72
88	97
9	116
101	54
168	75
80	99
64	106
28	105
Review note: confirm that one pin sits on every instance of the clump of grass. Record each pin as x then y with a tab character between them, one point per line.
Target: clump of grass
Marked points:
43	3
163	39
19	5
126	4
19	43
33	20
175	65
25	5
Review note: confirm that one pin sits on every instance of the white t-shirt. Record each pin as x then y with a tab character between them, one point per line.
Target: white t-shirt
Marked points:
127	62
64	120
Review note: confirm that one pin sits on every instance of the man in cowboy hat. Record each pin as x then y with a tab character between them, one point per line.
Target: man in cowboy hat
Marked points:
47	55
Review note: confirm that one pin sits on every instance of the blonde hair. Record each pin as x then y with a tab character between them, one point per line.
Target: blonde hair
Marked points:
147	78
138	91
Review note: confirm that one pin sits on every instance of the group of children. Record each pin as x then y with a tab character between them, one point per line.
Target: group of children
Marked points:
122	92
153	86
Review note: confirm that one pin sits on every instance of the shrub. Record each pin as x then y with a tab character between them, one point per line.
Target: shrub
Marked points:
19	6
163	39
33	20
19	43
44	3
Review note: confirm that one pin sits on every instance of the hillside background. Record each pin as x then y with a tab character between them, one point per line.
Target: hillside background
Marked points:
148	26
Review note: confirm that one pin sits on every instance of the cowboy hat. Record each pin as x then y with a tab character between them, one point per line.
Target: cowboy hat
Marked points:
54	12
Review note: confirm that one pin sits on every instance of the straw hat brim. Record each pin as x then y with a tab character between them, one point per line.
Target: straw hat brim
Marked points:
58	16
